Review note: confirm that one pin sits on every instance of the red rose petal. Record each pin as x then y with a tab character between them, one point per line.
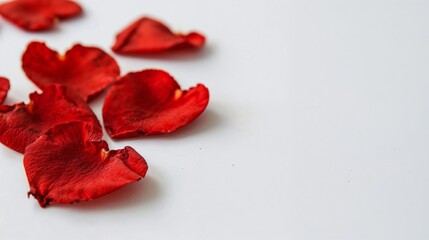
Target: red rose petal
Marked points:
37	15
4	88
65	166
151	102
150	36
85	70
22	124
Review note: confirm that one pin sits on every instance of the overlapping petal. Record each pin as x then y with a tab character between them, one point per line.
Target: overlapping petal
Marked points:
21	124
65	166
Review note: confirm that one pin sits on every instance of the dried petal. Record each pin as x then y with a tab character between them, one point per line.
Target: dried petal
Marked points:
85	70
4	88
22	124
147	35
65	166
151	102
37	15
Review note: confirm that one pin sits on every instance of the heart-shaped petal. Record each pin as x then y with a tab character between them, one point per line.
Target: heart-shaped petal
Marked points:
21	124
4	88
65	166
150	102
147	35
85	70
37	15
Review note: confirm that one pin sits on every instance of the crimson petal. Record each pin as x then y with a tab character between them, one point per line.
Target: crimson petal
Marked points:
151	102
37	15
4	88
22	124
85	70
147	35
65	166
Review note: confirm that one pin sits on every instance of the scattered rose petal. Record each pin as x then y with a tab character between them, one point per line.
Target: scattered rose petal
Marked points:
65	166
21	124
37	15
147	35
4	88
151	102
85	70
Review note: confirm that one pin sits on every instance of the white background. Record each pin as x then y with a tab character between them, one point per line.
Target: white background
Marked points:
317	127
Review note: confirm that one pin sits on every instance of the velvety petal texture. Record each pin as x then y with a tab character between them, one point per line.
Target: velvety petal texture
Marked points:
4	88
85	70
65	166
147	35
151	102
37	15
21	124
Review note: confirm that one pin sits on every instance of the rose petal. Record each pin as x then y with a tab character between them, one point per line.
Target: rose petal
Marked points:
65	166
22	124
4	88
85	70
37	15
147	35
151	102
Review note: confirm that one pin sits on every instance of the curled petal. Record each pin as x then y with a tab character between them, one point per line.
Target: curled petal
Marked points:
38	15
151	102
65	166
85	70
21	124
4	88
147	35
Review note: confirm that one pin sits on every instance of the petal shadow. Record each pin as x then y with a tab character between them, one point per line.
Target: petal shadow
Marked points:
143	192
182	54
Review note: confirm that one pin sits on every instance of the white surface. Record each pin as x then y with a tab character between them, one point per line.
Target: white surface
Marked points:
318	125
